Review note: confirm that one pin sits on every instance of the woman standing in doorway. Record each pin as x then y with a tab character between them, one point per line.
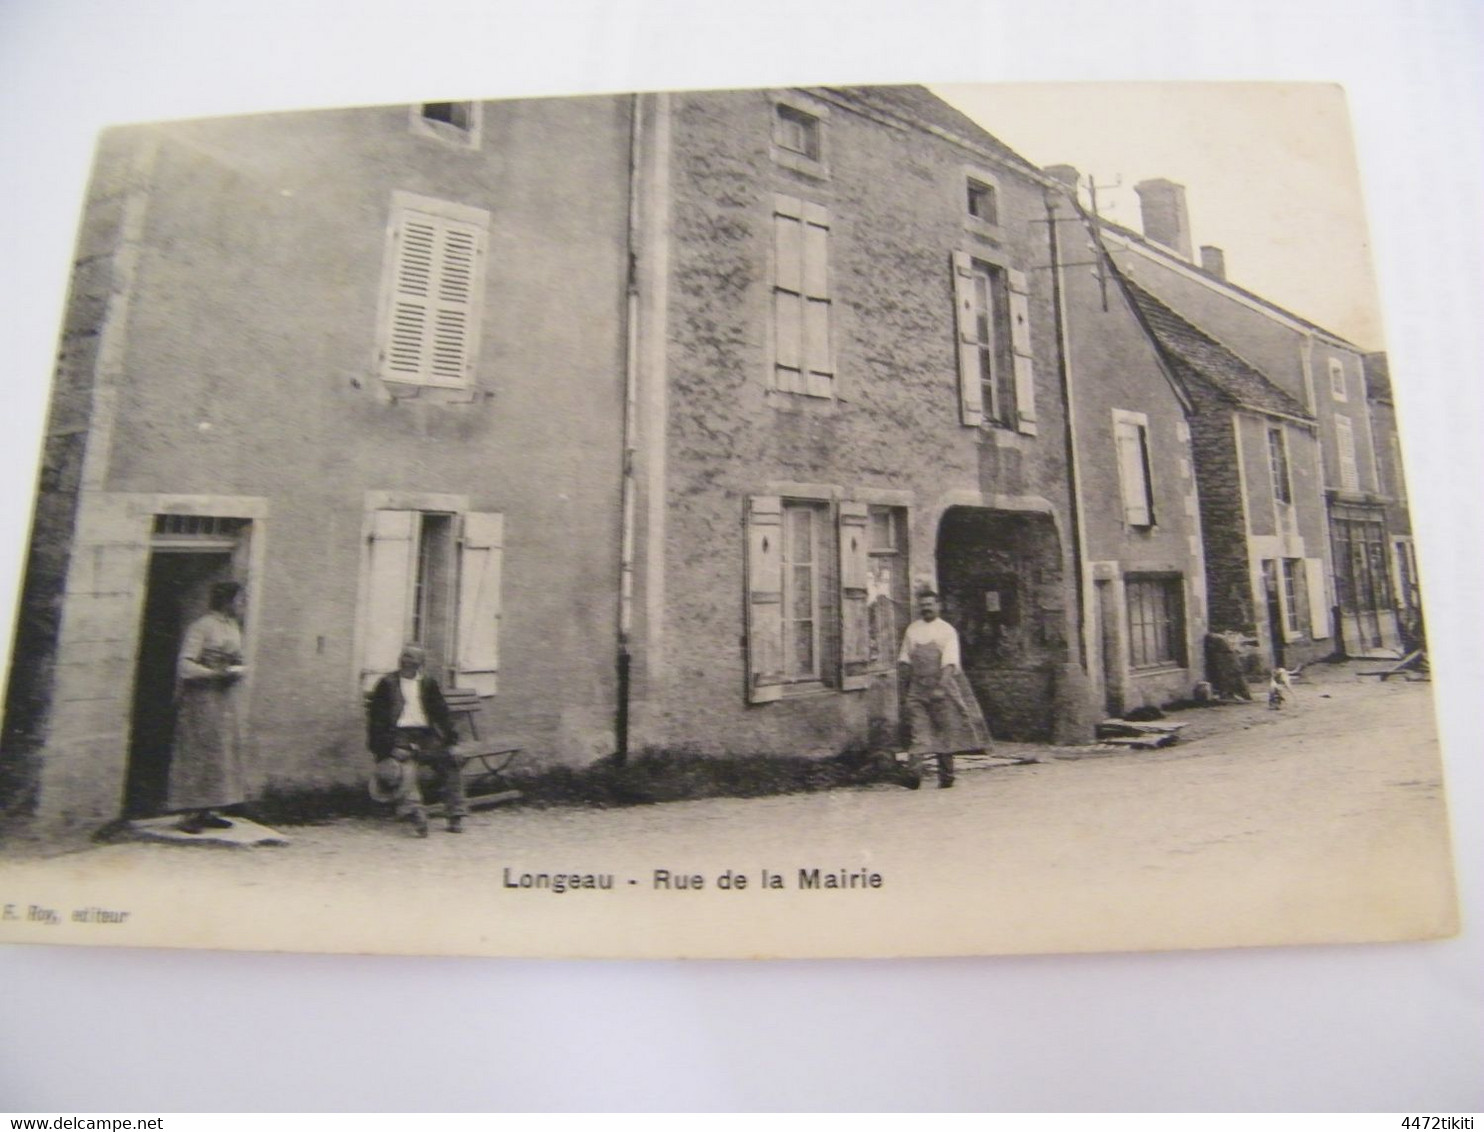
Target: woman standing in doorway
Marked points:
206	771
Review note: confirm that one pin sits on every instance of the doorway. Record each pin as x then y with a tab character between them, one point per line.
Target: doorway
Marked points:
1275	611
1000	575
188	555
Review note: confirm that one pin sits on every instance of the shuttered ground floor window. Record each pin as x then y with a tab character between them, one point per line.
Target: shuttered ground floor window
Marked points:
433	578
1156	620
813	570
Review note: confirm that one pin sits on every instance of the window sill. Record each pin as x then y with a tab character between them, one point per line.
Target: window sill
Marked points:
800	163
1163	669
984	230
806	690
432	394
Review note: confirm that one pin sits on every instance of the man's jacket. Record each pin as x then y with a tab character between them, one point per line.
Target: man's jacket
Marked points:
386	708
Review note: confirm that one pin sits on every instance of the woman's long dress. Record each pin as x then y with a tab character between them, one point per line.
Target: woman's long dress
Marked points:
206	766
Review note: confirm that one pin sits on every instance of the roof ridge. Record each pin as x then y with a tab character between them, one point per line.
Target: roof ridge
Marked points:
1146	299
1156	246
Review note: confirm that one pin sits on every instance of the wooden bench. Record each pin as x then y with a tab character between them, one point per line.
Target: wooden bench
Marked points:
1415	661
484	763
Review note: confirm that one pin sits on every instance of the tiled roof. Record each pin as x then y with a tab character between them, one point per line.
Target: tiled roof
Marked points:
922	104
1142	240
1204	362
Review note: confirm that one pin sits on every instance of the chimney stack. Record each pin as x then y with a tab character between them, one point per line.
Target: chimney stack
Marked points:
1213	261
1066	174
1166	220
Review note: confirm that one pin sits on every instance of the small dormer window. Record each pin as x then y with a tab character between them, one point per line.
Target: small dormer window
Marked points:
456	123
796	131
983	202
456	114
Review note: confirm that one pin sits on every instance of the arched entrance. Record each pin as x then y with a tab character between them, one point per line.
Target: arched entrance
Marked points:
1001	578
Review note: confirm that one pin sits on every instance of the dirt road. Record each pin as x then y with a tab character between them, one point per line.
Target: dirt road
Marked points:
1324	821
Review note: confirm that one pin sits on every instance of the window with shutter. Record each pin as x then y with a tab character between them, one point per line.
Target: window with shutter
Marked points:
764	598
1020	346
1337	388
886	585
996	381
803	351
391	551
1131	434
1319	619
433	578
1278	463
479	602
1345	444
1295	607
432	292
855	596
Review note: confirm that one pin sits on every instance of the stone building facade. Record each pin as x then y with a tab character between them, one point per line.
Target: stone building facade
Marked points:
861	397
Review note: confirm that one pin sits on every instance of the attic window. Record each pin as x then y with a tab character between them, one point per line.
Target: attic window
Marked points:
456	123
796	132
983	202
456	114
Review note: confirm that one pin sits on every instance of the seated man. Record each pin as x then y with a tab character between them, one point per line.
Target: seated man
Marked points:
407	726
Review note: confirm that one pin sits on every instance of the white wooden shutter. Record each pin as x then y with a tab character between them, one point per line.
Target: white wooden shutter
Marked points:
1020	345
1319	621
1132	472
1345	443
764	598
970	380
788	294
391	562
819	359
436	275
478	643
855	620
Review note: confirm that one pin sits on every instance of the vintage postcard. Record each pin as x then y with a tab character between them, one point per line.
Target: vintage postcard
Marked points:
824	521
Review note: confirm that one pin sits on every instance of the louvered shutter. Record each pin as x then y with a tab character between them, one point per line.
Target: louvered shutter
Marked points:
480	556
1318	599
764	598
392	553
436	277
1345	442
855	621
1020	346
970	380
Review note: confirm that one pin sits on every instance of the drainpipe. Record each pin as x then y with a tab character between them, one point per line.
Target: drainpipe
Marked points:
1064	376
628	488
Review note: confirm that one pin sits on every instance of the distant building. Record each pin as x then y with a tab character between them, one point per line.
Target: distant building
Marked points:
1320	377
1406	594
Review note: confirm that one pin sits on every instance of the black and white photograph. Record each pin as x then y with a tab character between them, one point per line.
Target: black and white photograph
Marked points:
783	522
677	556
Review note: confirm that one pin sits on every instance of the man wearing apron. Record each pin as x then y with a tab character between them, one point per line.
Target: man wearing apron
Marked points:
942	713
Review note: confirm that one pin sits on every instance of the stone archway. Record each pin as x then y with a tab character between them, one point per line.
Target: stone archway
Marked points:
1000	574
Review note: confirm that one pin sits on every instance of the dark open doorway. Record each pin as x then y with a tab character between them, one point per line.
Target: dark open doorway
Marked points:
178	587
1000	574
